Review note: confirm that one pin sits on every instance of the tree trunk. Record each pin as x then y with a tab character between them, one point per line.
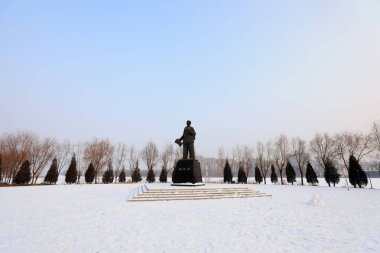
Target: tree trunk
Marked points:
282	182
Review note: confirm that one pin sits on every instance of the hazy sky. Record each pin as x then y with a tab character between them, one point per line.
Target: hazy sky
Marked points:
242	71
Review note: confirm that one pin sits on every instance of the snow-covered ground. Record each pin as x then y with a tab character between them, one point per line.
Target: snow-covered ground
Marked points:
97	218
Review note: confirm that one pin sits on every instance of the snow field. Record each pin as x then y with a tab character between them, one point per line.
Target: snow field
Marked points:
97	218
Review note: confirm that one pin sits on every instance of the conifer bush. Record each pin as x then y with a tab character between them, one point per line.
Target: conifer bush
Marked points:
227	173
108	174
273	175
122	176
89	176
258	176
357	176
290	173
52	174
151	177
362	179
72	172
242	176
311	177
331	173
164	175
136	175
23	175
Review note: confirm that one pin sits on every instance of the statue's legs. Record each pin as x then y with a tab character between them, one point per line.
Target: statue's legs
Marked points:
191	150
185	150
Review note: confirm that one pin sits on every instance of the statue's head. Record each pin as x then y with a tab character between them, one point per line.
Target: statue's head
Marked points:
188	123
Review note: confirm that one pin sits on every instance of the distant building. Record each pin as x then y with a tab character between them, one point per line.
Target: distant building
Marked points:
209	167
371	168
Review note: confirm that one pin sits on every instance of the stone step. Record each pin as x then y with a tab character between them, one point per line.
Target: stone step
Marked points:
198	193
201	189
143	193
197	197
203	192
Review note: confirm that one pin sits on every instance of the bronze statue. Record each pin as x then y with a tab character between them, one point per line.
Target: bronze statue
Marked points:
187	139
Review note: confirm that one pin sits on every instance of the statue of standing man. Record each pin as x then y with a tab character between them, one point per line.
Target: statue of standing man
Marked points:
187	139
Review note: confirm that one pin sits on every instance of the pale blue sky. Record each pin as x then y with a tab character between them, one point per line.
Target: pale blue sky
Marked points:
242	71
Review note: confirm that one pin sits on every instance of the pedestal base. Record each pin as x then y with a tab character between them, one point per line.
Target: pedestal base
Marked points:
187	171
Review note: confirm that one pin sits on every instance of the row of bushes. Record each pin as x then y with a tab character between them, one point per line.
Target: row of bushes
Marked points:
357	177
311	176
23	175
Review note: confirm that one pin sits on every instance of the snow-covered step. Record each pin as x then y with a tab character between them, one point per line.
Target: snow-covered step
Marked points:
202	192
198	194
143	193
208	190
198	197
216	190
195	195
195	198
137	191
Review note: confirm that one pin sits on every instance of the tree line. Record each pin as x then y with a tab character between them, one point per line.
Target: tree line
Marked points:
25	156
338	155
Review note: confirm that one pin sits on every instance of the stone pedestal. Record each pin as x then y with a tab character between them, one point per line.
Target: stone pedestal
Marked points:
187	171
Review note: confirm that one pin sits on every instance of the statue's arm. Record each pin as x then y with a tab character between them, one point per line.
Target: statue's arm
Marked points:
192	131
183	135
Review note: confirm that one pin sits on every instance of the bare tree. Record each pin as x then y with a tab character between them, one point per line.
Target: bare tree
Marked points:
81	164
150	155
300	154
244	156
359	145
375	134
119	159
99	152
323	147
249	159
40	153
15	150
281	153
351	144
132	157
231	158
261	160
1	168
220	161
3	161
167	156
341	151
269	155
238	154
63	152
177	154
